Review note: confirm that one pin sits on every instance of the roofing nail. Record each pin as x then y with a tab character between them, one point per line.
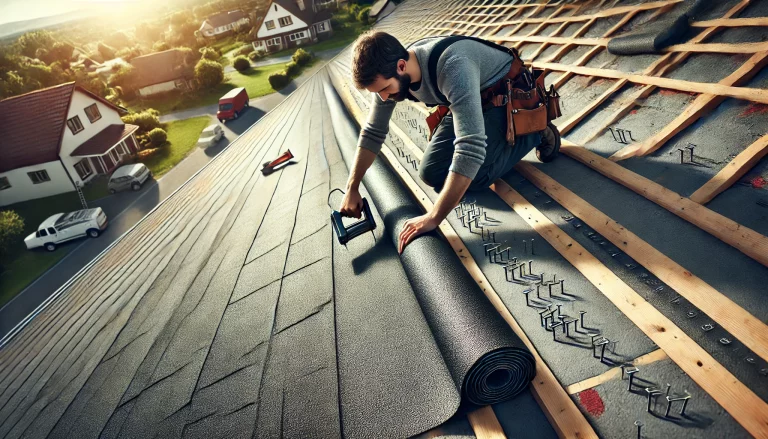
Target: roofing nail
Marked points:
639	428
581	317
652	393
525	247
686	398
631	374
530	262
527	299
554	330
669	386
532	247
669	406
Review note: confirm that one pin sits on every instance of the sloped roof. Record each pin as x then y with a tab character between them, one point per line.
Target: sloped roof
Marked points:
225	18
33	123
104	140
160	67
308	15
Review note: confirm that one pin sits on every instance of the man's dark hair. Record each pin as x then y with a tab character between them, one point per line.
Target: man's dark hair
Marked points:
376	53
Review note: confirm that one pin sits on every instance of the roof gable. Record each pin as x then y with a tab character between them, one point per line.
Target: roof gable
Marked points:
33	125
160	67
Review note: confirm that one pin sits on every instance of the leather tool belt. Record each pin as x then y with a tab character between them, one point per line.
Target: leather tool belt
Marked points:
530	107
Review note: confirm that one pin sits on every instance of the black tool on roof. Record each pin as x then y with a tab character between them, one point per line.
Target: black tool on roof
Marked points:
348	233
269	167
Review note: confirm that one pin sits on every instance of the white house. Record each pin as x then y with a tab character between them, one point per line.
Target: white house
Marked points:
223	23
55	138
161	72
293	23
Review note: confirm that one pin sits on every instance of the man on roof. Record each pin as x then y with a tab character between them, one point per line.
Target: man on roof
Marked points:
472	145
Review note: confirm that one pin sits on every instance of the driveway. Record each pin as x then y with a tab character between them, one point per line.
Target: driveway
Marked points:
125	209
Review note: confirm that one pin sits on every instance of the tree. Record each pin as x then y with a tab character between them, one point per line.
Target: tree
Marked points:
278	80
11	227
146	120
124	78
149	32
31	41
62	51
210	53
241	64
11	84
118	40
160	46
301	57
106	52
208	73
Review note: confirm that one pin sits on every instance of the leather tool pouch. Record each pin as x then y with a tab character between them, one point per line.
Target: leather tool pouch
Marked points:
435	117
521	121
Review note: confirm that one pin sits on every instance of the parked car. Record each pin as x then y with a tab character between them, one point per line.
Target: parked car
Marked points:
128	176
232	104
63	227
210	135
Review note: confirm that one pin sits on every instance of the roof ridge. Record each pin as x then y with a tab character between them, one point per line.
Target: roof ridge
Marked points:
71	83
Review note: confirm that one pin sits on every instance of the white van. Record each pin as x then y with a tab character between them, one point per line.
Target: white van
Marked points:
63	227
128	177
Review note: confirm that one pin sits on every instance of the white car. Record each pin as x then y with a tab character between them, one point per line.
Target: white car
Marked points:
210	135
63	227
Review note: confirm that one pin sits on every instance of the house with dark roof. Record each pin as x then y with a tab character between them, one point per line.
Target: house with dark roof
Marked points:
161	72
223	23
294	23
55	139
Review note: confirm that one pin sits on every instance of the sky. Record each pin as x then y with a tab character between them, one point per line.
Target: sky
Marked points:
18	10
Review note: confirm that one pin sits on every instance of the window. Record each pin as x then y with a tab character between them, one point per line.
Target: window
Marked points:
75	125
285	21
83	169
4	183
297	36
51	231
270	24
38	177
320	27
273	42
41	233
92	111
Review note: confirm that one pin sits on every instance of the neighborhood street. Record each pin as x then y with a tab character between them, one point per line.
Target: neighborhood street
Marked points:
325	55
125	209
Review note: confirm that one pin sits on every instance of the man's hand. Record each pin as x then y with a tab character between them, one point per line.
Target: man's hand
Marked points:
352	204
415	227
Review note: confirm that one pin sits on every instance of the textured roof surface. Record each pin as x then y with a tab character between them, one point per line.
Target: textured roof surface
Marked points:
225	18
105	139
31	126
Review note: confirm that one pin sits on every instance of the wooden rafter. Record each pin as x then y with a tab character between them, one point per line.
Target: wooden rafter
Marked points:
732	172
615	373
485	424
746	408
732	22
702	105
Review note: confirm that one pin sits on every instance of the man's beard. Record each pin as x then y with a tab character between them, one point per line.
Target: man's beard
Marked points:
405	84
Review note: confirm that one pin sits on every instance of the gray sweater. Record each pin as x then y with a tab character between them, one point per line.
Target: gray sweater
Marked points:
463	70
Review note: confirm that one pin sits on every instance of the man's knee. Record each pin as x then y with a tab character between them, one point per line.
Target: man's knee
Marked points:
432	175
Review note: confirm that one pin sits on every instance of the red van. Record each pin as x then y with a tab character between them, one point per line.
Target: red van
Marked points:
232	104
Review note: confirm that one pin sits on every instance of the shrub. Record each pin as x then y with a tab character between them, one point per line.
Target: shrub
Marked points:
210	53
353	10
241	64
208	73
291	69
335	23
301	57
147	120
11	227
278	80
157	137
160	46
256	55
363	15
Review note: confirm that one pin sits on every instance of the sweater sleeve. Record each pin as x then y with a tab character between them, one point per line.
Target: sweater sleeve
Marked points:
375	131
459	81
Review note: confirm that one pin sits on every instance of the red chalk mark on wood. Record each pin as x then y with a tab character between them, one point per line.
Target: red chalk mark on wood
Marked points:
592	402
668	92
754	109
633	112
759	182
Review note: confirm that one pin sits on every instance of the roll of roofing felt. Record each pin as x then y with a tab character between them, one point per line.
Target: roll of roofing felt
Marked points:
486	361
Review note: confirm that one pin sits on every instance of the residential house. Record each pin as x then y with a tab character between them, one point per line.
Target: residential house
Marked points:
56	138
381	9
223	23
293	23
161	72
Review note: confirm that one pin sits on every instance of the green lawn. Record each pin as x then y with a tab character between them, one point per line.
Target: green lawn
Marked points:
342	37
255	80
182	139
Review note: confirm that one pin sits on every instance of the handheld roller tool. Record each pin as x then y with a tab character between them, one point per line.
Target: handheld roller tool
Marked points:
348	233
269	167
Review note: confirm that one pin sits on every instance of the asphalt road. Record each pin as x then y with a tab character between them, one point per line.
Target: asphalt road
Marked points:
126	208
